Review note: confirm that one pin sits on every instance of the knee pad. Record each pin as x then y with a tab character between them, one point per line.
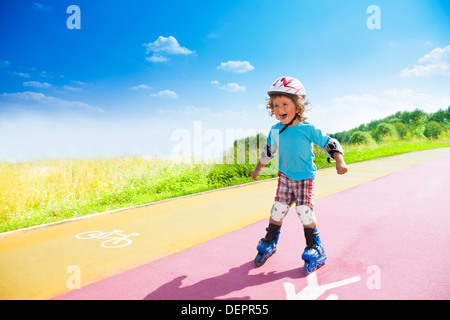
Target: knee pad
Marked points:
279	211
306	215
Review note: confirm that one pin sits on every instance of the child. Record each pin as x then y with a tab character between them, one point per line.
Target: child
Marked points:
293	138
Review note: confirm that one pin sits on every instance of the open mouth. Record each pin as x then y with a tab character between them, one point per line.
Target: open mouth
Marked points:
283	116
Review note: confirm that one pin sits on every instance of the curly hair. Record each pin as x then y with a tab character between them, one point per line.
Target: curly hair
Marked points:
299	102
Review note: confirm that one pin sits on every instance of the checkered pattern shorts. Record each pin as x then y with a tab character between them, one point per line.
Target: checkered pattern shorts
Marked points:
301	191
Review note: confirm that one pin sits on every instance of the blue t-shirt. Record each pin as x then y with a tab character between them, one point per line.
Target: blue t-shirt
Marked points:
295	149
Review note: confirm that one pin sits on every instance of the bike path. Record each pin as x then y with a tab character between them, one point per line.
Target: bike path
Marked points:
40	263
385	239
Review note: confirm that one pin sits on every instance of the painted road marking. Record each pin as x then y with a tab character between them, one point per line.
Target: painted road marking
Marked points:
114	239
313	290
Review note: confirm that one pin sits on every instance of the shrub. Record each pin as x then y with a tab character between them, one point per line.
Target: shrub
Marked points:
401	129
432	130
417	123
360	137
385	131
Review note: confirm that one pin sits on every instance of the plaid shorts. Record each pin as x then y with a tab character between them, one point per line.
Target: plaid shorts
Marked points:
301	191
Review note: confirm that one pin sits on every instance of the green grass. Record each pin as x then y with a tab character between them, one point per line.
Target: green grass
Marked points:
34	193
358	153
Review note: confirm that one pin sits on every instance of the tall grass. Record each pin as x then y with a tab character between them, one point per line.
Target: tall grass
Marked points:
34	193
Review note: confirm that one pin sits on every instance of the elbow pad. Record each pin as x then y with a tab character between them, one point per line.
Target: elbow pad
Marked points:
268	153
333	146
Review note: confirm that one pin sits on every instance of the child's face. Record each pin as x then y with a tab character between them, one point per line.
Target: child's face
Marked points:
284	109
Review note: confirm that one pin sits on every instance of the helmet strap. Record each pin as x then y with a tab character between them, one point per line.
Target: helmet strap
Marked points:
287	125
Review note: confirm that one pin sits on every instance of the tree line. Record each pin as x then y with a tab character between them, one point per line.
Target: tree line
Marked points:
403	125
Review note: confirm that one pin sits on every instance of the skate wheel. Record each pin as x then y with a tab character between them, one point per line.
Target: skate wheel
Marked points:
307	269
311	268
259	260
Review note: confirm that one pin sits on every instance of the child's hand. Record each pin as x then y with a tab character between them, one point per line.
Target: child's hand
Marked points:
257	170
341	166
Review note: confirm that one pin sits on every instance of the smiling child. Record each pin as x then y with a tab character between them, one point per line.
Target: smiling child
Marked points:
293	138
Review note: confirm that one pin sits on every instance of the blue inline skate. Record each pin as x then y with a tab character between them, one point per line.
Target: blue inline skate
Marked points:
314	253
267	245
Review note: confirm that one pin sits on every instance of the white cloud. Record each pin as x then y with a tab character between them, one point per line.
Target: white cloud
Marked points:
232	87
236	66
437	62
78	82
5	63
187	112
140	86
37	98
437	55
391	101
36	84
426	70
30	137
70	88
168	45
165	94
156	58
40	6
163	47
21	74
350	111
208	131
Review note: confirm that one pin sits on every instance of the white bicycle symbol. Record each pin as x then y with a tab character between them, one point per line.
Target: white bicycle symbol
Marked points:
114	239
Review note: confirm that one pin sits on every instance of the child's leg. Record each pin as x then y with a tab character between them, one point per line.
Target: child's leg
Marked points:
305	203
306	215
268	245
314	253
283	200
278	212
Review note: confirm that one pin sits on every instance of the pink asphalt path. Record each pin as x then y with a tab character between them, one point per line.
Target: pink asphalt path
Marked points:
385	239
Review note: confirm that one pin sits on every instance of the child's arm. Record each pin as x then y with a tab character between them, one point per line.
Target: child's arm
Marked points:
267	154
341	166
257	170
334	150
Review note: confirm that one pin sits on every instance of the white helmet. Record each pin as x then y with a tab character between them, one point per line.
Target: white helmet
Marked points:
287	85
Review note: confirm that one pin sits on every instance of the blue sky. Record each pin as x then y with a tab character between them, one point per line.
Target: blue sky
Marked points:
137	73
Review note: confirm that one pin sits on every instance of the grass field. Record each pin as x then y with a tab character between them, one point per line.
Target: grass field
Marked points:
34	193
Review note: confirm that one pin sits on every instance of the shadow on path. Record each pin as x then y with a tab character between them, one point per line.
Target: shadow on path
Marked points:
235	279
